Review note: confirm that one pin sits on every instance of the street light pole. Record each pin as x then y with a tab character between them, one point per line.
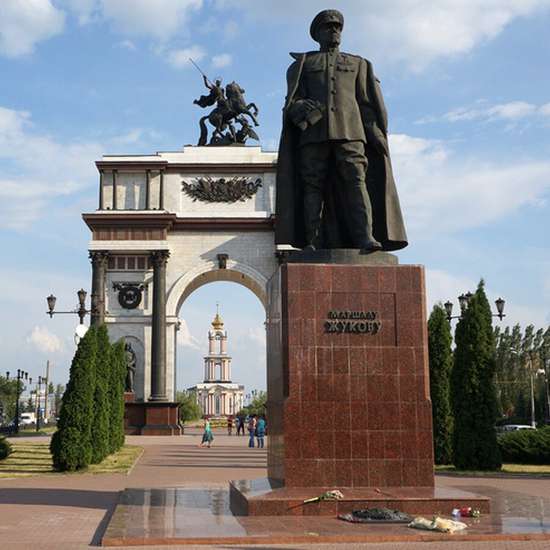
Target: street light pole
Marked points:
38	404
532	376
464	301
21	375
547	384
81	310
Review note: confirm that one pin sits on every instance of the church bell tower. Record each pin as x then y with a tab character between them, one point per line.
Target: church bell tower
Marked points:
217	364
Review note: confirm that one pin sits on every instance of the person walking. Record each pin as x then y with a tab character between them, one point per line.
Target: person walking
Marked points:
240	425
251	430
260	432
207	436
229	425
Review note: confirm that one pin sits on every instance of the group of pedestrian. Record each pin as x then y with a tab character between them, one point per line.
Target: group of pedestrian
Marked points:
256	429
235	422
256	425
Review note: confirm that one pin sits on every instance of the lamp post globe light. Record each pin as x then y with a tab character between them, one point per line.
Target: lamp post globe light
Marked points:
21	375
81	310
463	302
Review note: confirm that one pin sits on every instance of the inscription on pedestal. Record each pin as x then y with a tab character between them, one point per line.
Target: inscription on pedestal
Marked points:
352	322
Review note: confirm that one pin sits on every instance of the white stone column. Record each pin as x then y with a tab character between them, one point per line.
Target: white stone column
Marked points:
211	343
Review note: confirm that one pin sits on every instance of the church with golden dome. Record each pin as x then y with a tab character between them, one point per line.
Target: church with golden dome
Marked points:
218	395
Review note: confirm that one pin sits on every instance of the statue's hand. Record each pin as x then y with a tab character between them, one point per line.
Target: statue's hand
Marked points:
305	112
377	139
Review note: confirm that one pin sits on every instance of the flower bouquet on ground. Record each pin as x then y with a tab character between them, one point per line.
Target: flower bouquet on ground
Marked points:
329	495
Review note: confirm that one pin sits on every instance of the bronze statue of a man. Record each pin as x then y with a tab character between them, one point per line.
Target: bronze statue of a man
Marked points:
335	187
130	368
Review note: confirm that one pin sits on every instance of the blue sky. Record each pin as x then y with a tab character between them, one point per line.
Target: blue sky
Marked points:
466	84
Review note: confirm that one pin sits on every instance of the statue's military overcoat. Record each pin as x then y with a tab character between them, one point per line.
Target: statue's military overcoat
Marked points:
343	120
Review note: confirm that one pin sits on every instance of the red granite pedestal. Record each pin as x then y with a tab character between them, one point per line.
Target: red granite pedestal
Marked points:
151	418
348	389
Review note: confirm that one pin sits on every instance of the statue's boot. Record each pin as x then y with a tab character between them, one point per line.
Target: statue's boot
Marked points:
371	245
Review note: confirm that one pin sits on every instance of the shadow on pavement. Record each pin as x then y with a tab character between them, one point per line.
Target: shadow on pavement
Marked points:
59	497
103	500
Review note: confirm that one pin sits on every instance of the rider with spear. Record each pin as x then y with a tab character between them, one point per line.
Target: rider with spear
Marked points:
216	91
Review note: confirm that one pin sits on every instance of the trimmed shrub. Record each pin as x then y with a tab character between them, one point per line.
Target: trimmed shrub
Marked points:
100	439
526	446
117	377
71	446
5	448
473	392
441	363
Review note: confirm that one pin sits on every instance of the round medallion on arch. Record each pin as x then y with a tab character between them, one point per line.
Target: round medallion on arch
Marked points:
129	294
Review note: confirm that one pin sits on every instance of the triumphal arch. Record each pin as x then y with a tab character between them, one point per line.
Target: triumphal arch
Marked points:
167	224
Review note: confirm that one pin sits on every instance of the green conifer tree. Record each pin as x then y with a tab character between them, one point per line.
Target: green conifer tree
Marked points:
71	444
102	404
441	362
473	392
116	396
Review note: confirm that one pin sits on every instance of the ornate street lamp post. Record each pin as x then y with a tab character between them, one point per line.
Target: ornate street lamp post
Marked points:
532	374
21	375
81	310
40	380
463	302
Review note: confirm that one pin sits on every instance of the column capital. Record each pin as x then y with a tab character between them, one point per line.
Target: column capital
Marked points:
99	257
159	258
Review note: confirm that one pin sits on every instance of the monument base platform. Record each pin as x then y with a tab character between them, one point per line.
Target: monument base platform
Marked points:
151	418
259	497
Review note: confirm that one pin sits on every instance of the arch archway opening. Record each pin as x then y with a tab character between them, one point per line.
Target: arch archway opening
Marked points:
212	369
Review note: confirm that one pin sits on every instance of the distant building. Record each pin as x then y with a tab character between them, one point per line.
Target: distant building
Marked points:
217	395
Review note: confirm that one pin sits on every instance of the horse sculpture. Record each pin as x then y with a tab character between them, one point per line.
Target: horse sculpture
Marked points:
229	109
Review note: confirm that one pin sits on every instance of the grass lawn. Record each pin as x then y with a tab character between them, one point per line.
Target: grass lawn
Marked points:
536	469
31	432
30	459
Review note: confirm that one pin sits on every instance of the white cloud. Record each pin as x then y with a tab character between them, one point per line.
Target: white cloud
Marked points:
416	32
43	340
86	11
442	286
222	60
179	59
37	169
509	112
160	19
513	110
24	23
439	188
185	338
127	45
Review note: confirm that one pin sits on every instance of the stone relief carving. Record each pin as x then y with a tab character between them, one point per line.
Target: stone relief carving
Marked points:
207	189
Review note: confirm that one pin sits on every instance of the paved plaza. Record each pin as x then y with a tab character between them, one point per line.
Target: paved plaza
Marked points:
65	512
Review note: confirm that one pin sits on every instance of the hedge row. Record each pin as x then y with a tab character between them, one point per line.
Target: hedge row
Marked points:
5	448
526	446
91	420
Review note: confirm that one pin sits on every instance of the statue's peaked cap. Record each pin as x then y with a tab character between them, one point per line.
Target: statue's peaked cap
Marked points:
325	16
